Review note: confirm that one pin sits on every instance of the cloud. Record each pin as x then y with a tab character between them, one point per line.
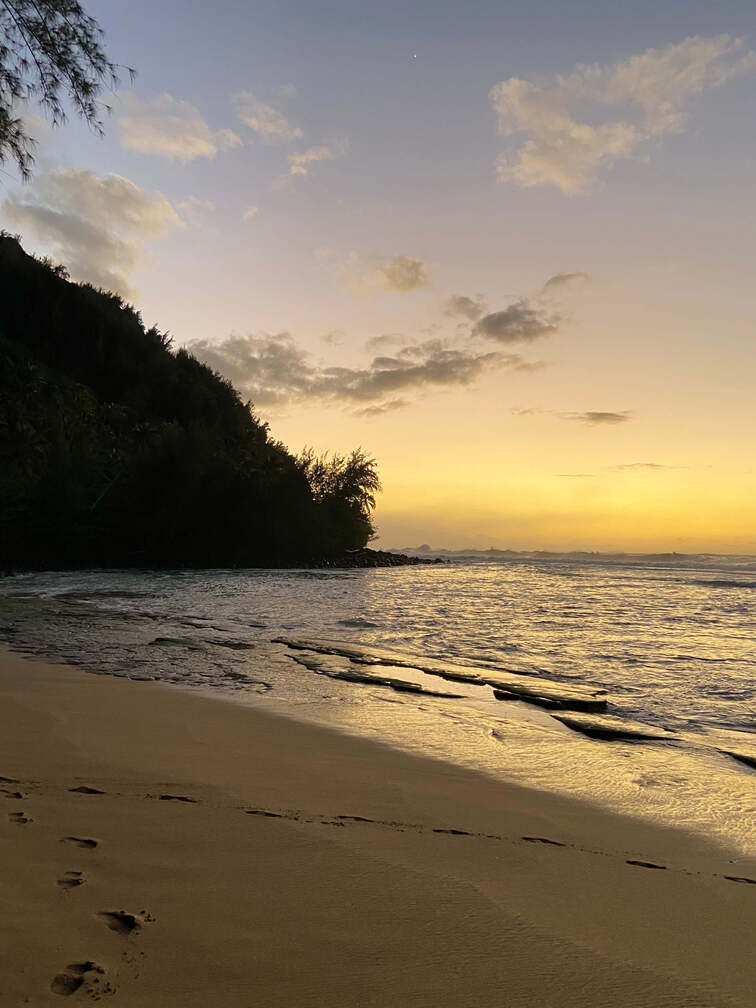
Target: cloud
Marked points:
521	322
95	225
194	210
643	465
165	126
575	475
460	306
301	162
384	341
401	273
381	408
334	338
598	417
563	149
273	370
563	280
265	120
250	212
595	417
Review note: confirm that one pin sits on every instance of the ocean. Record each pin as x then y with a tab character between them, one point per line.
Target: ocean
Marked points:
668	647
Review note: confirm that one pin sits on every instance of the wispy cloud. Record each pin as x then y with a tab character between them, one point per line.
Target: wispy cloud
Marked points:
96	225
267	121
563	281
273	370
399	274
563	148
626	467
194	211
375	411
598	417
334	338
168	127
384	341
250	212
461	306
301	162
630	466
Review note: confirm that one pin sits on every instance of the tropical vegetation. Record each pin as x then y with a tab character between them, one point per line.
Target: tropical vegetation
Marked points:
118	450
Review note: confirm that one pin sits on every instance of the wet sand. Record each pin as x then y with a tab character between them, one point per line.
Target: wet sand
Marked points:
160	848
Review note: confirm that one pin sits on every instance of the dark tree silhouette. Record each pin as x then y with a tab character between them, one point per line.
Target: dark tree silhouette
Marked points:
344	488
51	52
116	450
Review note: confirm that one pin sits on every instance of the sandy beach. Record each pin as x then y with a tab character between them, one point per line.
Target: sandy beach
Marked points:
162	848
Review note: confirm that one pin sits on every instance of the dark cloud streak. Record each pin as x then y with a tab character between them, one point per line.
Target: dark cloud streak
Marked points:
631	466
598	417
521	322
274	371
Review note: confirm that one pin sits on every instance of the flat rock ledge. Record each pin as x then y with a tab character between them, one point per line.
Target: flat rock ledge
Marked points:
321	666
615	729
747	758
506	686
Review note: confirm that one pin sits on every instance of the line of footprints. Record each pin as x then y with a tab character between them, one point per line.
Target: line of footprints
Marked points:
92	978
87	976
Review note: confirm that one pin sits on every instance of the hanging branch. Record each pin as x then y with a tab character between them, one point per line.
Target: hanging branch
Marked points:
51	53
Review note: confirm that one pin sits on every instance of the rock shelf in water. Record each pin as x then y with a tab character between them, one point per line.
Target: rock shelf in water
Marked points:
510	686
321	666
749	759
614	729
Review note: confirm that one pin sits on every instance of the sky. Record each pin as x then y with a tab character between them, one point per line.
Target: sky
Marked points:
506	248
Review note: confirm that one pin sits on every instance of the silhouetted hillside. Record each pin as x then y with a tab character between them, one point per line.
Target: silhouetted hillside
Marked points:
117	451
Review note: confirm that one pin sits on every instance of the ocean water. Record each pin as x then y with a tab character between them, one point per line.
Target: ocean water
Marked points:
672	647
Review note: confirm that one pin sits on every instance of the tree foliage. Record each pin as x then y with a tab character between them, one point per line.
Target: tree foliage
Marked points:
51	53
344	486
117	451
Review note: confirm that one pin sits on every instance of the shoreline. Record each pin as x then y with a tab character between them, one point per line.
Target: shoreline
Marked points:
357	559
286	863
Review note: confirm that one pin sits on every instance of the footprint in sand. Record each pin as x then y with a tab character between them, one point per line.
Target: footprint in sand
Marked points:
85	974
647	864
178	797
86	842
123	922
20	818
83	789
71	879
